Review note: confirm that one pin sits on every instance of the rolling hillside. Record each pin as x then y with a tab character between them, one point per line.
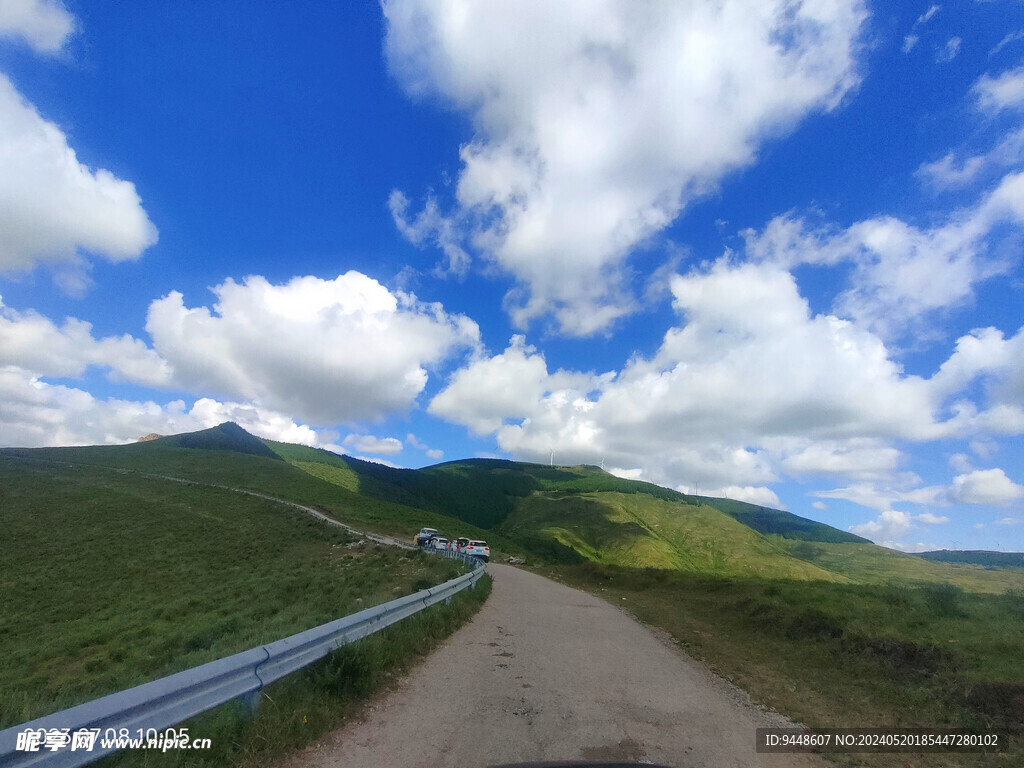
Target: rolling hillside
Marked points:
554	514
581	513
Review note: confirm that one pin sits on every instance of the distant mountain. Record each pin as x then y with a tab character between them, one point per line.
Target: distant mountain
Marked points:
975	557
224	437
149	437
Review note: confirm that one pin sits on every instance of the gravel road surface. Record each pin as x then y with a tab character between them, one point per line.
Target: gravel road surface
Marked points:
548	672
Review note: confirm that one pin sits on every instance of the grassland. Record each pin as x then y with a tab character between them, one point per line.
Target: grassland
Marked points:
319	484
112	578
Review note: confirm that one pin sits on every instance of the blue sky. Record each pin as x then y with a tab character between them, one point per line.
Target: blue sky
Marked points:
766	250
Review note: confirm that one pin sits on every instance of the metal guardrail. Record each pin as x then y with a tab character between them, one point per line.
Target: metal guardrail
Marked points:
162	703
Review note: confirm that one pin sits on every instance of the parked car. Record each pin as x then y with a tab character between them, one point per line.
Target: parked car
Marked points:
439	542
460	543
477	549
424	536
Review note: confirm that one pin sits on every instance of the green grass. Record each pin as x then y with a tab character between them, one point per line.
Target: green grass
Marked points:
868	563
330	492
641	531
111	579
843	655
299	709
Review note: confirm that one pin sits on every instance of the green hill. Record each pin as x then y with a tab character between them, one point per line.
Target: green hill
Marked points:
975	557
224	437
581	513
554	514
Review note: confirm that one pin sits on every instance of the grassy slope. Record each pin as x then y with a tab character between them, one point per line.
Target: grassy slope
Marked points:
570	514
265	474
976	557
111	579
638	530
868	563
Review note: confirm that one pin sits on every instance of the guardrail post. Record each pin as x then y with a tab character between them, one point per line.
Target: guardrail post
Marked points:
252	700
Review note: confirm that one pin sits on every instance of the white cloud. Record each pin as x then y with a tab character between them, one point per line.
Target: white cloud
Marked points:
1011	37
749	386
989	486
926	16
34	413
886	528
1006	91
430	226
909	42
53	208
929	519
702	410
820	505
387	446
592	136
510	385
413	442
327	351
902	274
43	24
951	173
881	495
34	343
985	486
1008	521
856	458
949	51
960	463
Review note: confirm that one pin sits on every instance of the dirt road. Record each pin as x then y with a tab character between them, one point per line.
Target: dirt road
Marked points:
548	672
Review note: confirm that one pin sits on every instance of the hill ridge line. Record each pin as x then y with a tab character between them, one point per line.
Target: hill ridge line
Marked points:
374	537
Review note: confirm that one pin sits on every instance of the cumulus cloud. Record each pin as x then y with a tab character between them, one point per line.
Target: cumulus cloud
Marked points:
510	385
901	273
34	343
749	386
985	486
1005	91
327	351
44	24
35	413
886	528
386	446
751	381
595	124
52	208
